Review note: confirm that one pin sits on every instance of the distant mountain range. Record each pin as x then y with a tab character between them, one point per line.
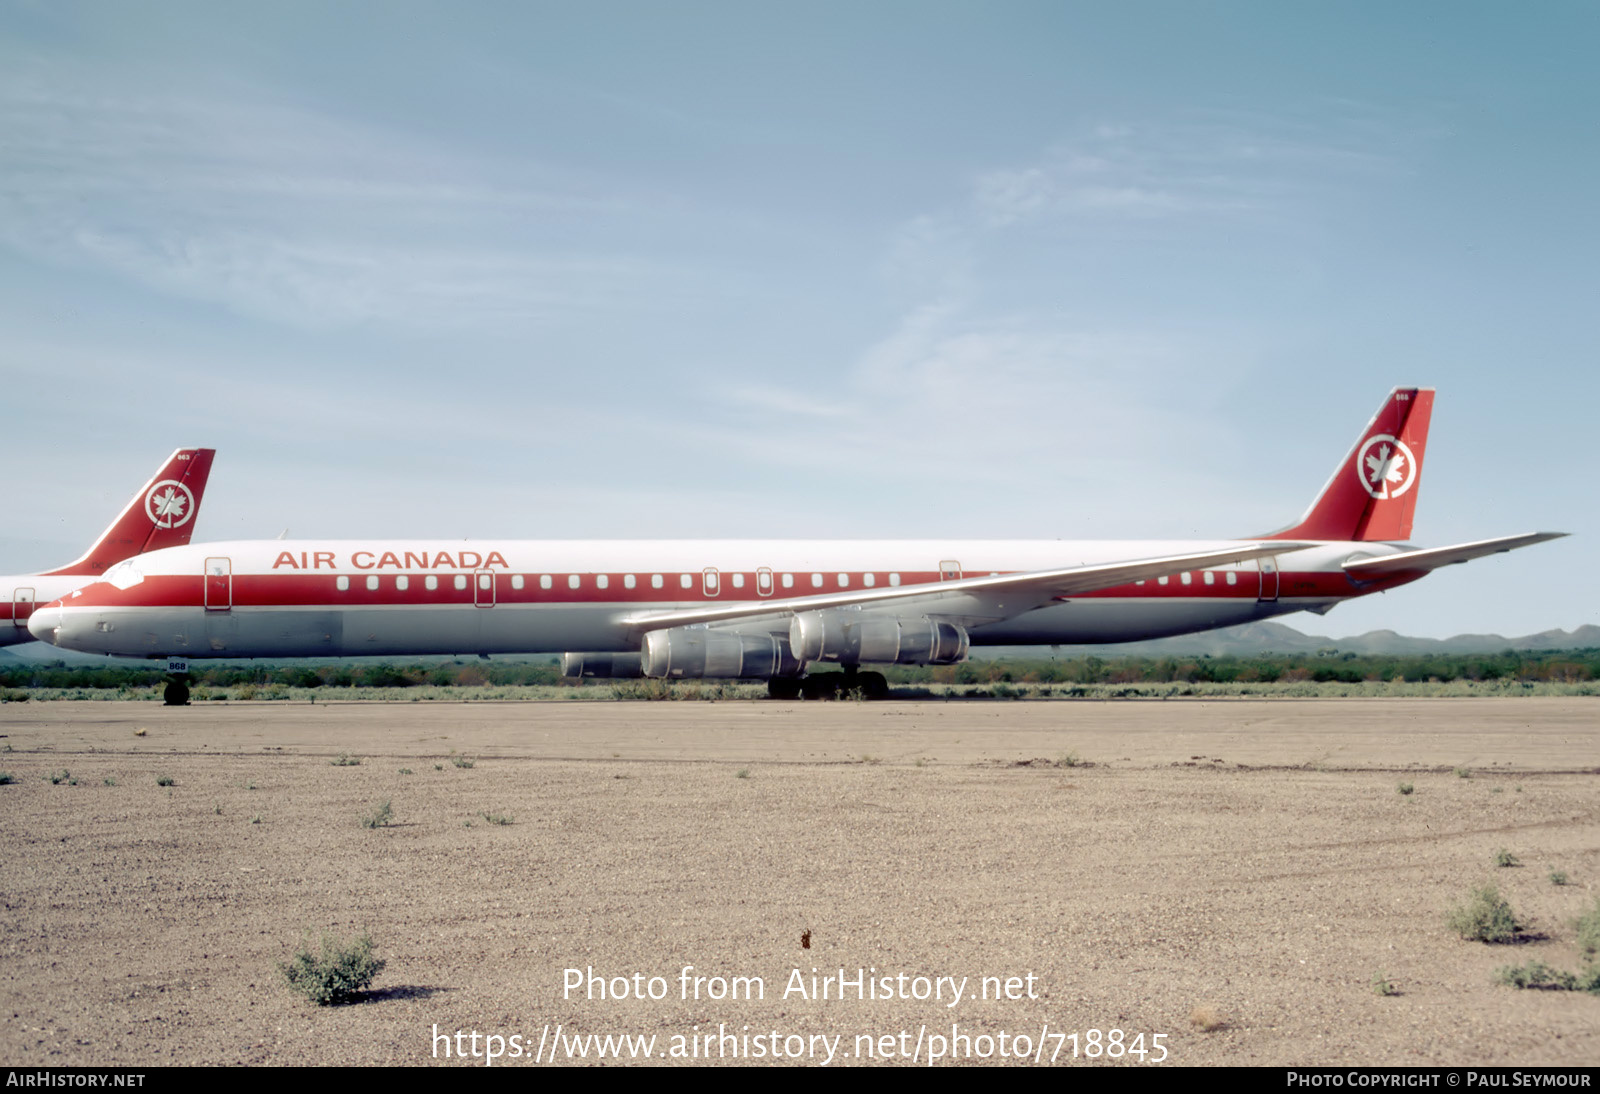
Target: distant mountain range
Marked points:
1255	638
1245	640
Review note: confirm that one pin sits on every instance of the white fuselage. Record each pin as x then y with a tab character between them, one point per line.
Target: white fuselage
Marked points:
353	597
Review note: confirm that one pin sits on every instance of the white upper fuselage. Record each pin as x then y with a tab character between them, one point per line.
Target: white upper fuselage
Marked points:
346	597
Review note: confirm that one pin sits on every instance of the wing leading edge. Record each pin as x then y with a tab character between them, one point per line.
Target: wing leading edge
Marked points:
973	600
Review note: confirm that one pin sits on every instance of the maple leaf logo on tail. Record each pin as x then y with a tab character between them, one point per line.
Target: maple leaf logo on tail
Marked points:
169	504
1385	467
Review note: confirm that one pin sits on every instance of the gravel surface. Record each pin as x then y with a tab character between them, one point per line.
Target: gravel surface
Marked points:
1233	876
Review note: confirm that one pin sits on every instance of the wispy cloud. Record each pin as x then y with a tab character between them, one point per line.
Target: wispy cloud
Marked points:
1218	165
303	218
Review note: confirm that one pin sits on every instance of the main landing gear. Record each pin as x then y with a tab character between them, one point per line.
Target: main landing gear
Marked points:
849	684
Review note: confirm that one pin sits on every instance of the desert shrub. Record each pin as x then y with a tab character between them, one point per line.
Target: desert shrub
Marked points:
1503	857
166	780
1405	789
1486	917
344	759
379	817
334	973
1538	975
1589	930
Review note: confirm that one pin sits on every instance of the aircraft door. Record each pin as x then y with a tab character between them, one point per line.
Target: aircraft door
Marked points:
219	584
21	607
764	581
1269	579
483	588
710	582
949	570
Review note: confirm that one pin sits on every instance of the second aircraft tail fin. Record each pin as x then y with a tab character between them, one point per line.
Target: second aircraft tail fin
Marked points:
160	515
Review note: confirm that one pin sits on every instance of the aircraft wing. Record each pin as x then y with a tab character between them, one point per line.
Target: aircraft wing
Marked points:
972	600
1435	557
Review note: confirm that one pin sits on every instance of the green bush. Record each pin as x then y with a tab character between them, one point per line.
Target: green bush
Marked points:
1484	918
336	973
379	818
1503	857
1538	975
1589	930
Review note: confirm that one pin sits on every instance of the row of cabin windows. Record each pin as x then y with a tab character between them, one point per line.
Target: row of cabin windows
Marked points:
710	578
1210	577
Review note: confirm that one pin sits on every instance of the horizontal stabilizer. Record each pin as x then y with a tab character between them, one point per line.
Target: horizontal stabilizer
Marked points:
1433	558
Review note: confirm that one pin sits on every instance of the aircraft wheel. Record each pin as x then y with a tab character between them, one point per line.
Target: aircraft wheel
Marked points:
825	686
783	687
873	685
176	694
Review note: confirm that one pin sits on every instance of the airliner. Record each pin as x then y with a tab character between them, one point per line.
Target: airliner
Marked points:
765	609
160	515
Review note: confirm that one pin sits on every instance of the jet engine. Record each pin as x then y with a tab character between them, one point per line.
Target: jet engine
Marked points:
850	638
600	666
693	652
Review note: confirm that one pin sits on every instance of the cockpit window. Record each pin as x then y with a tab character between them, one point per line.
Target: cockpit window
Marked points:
124	575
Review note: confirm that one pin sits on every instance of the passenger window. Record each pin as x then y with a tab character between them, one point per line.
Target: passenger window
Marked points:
572	581
869	580
430	582
341	583
602	582
461	581
894	579
516	581
545	581
738	581
1233	578
1211	578
816	581
485	581
1188	578
656	581
686	581
1161	581
402	583
372	582
844	581
788	581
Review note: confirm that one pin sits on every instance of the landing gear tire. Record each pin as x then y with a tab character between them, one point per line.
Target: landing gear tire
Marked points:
783	687
825	686
873	685
176	694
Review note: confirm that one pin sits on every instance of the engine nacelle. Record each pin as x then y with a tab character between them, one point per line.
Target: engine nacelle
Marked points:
600	666
851	638
692	652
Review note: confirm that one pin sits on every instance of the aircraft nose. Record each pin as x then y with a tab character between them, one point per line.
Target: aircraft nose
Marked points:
44	623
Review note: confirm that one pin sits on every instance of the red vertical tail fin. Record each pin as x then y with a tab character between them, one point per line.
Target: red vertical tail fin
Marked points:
160	515
1373	492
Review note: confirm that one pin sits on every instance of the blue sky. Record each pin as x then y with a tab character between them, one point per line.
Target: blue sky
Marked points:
896	269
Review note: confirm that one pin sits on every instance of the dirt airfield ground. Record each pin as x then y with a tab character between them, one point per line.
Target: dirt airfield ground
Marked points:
1247	861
